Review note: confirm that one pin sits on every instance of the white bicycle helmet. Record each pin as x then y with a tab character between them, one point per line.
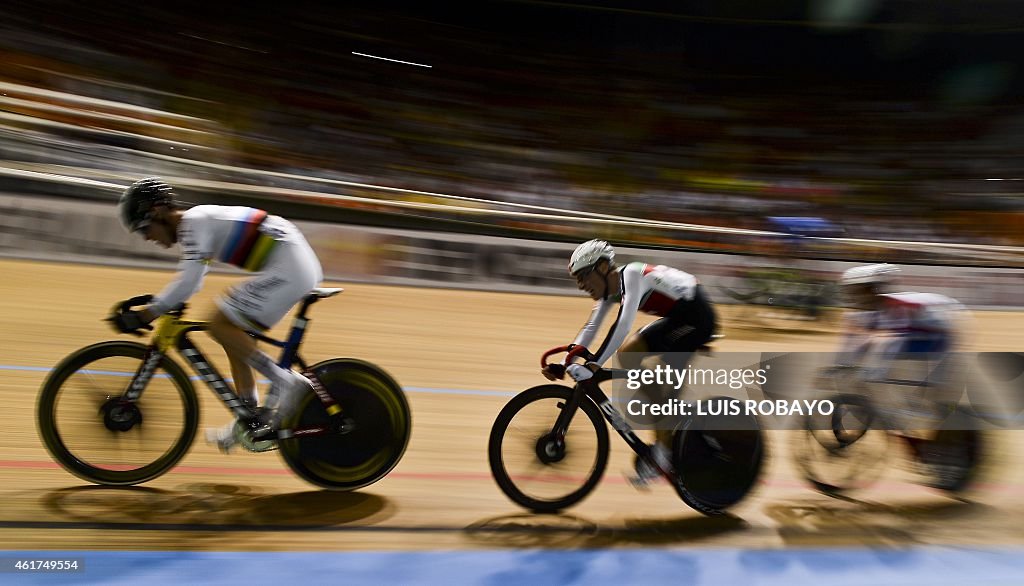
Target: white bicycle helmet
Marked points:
877	274
589	253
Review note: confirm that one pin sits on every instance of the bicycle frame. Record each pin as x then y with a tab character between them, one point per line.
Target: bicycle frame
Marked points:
590	390
612	415
171	332
892	409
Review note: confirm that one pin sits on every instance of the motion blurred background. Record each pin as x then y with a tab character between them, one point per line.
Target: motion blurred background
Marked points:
894	120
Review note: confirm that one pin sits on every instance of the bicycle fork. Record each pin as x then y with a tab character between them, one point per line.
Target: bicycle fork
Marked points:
611	415
143	374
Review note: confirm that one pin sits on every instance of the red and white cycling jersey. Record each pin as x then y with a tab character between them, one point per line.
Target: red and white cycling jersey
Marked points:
914	312
652	289
914	322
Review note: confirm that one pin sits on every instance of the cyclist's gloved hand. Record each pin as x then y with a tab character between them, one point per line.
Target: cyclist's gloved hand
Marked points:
553	371
579	372
130	322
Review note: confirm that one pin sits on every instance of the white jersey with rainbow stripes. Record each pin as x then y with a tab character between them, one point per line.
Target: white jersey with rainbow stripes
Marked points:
242	236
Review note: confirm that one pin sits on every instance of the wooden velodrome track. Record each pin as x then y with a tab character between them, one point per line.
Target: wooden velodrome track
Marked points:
441	496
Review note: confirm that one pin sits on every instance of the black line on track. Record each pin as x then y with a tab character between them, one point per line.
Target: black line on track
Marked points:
236	527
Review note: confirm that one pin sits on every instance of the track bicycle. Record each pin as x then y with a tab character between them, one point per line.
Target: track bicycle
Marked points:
546	456
849	450
122	413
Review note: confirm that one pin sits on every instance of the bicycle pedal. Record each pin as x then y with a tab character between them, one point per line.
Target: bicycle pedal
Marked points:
258	445
255	436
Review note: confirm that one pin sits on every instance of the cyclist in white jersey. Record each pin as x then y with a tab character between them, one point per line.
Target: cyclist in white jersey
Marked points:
687	321
286	270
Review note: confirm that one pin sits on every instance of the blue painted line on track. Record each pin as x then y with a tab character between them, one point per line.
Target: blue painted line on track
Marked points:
459	392
935	566
430	390
26	368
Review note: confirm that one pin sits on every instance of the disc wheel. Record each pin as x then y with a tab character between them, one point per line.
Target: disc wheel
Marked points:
369	438
718	460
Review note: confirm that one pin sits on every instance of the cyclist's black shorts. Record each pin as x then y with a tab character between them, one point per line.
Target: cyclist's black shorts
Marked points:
687	327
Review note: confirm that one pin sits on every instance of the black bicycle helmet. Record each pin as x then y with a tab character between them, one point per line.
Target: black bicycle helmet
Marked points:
137	202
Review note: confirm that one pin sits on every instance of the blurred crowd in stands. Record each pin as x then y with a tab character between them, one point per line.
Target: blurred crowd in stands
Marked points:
622	128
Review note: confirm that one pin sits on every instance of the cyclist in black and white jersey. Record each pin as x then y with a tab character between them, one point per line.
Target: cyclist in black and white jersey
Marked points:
286	268
687	319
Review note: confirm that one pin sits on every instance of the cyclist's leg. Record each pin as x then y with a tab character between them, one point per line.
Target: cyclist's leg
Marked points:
258	304
243	354
630	357
245	382
238	346
690	325
227	329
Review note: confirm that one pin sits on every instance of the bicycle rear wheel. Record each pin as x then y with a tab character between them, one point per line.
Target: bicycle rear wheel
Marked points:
375	406
954	457
531	466
718	460
98	437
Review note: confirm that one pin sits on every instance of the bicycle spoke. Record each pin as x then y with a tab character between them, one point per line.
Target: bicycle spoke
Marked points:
535	468
97	435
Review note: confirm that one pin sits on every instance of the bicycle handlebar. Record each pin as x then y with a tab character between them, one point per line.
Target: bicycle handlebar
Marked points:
544	358
134	301
126	306
573	352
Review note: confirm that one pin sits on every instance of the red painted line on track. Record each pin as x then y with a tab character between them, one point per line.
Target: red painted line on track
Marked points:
449	476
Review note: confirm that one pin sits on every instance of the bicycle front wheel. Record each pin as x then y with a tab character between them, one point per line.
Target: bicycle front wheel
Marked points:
96	435
537	470
379	420
845	451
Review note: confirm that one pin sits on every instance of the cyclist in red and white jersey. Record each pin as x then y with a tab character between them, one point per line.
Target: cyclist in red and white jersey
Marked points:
885	325
687	319
286	268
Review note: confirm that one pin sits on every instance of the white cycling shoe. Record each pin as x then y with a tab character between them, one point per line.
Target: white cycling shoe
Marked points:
261	435
239	433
